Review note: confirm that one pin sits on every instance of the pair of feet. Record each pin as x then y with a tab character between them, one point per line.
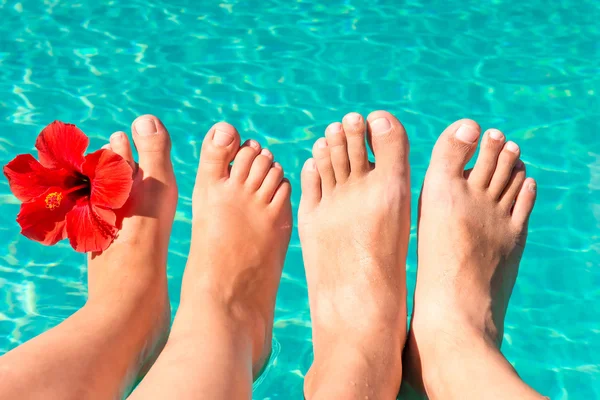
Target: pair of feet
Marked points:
354	223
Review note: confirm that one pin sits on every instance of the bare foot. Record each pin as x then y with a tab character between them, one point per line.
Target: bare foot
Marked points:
242	221
143	242
99	351
472	232
354	223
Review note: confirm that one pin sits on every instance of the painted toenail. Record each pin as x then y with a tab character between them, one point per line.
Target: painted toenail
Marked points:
336	127
145	127
380	126
321	143
467	133
222	139
512	146
496	134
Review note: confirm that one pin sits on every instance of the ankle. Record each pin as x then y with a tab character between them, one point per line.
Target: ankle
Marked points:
241	324
357	370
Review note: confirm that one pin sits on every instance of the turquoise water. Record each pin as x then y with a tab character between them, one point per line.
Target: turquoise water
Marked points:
281	71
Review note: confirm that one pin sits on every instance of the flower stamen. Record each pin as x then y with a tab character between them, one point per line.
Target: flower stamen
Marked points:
53	200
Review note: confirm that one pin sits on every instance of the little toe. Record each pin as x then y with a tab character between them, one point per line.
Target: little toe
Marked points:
524	205
153	145
324	166
311	184
491	146
454	148
271	183
338	151
504	167
219	147
243	160
281	198
260	167
355	130
508	197
389	142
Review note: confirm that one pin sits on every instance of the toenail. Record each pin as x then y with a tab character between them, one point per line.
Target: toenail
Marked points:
353	118
531	187
467	133
252	143
145	127
310	164
336	127
222	139
266	152
512	146
380	126
321	143
519	164
496	134
117	136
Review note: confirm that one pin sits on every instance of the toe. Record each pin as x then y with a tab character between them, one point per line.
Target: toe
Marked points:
153	144
455	147
504	168
389	142
507	199
219	147
271	183
243	160
338	151
311	184
260	167
119	143
355	130
524	204
281	198
491	146
324	166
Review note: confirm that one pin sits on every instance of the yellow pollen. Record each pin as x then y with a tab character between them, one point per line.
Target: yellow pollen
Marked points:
53	200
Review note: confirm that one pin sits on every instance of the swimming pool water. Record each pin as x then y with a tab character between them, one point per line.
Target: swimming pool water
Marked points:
281	71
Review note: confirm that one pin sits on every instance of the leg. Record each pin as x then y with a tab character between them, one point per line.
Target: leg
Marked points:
99	351
472	231
354	226
221	336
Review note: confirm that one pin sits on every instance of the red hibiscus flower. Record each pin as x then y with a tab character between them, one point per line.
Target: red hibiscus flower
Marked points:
67	194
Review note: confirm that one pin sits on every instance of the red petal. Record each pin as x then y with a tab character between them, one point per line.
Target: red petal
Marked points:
111	177
43	219
62	145
90	228
29	179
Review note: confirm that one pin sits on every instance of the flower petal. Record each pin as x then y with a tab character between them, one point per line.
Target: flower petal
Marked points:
111	178
62	145
29	179
90	228
43	219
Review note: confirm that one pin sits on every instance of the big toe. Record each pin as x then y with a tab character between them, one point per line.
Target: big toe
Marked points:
219	148
389	142
455	147
153	144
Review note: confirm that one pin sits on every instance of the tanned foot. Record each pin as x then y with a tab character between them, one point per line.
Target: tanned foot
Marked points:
472	232
131	274
354	223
